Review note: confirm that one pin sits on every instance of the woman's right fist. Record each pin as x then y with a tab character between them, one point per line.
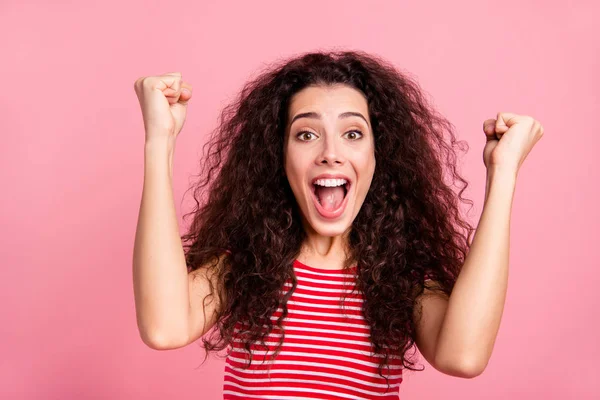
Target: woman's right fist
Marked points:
163	100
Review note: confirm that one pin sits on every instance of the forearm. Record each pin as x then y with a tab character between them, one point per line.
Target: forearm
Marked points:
159	270
475	307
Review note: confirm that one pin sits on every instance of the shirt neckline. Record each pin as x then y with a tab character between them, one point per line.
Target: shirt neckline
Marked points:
323	270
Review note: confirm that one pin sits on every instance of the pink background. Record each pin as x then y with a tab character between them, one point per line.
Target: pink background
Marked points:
71	158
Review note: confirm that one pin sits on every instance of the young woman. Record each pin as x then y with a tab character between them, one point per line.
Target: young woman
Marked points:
327	239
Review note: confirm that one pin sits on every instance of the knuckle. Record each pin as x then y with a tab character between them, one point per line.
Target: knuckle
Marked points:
137	82
147	82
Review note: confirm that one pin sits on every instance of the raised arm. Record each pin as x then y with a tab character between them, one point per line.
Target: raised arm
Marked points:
168	300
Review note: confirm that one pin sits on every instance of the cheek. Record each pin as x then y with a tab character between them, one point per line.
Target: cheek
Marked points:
366	169
293	172
365	163
296	161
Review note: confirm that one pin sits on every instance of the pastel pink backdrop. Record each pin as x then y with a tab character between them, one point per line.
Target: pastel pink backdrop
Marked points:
72	167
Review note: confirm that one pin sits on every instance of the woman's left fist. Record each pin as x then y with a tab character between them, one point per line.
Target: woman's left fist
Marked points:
510	137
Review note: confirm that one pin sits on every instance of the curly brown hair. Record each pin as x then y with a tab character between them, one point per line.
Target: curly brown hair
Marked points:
409	225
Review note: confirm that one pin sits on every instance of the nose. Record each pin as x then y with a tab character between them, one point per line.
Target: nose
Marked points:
331	152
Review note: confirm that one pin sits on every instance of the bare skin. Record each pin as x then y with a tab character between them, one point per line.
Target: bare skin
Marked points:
455	334
328	143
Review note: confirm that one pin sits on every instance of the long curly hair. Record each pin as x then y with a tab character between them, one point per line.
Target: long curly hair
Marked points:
247	223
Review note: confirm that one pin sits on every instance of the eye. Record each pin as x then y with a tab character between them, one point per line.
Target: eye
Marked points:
355	132
303	133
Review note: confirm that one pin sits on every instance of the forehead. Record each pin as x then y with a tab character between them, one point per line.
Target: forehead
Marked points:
328	101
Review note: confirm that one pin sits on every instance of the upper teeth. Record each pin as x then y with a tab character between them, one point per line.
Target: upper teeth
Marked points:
330	182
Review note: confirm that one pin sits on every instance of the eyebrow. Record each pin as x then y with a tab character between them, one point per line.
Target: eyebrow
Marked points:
316	115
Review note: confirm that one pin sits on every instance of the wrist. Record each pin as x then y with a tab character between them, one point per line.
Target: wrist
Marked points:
158	153
500	176
502	172
160	143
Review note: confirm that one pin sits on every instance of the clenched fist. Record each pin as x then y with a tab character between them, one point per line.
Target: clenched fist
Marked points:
163	100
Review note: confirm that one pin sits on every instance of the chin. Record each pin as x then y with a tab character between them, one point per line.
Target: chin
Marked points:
324	227
329	229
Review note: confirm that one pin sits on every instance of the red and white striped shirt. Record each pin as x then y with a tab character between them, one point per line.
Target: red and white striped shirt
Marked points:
326	353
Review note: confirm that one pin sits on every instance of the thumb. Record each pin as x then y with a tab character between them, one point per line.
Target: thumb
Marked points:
186	93
505	121
179	109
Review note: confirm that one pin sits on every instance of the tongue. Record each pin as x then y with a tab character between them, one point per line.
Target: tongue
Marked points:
330	197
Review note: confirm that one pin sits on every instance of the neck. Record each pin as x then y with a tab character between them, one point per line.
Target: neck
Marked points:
320	249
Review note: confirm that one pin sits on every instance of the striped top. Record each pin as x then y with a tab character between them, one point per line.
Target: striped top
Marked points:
326	353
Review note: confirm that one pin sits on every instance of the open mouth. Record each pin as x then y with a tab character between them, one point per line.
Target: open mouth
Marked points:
330	201
317	191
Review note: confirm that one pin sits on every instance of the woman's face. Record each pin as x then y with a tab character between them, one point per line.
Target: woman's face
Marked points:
329	132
